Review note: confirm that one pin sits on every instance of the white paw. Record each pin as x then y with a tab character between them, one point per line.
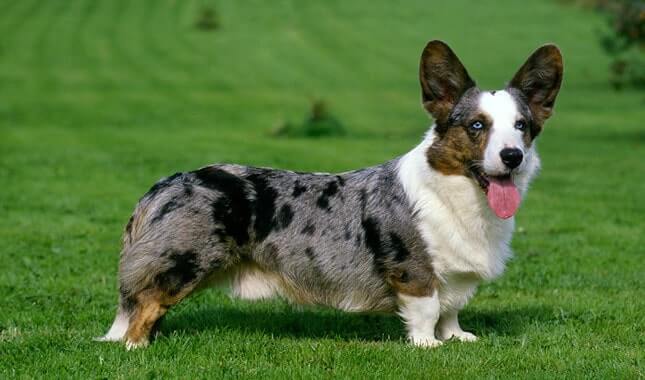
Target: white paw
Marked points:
130	345
426	342
465	336
462	336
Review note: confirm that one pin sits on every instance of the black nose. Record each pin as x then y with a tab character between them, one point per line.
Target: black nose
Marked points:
511	157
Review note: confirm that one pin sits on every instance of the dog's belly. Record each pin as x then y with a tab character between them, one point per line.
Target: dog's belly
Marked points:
340	281
251	282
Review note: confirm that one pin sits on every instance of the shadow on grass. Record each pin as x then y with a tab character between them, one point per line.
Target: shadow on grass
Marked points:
506	321
344	326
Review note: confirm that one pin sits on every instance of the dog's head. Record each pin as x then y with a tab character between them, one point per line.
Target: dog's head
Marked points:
488	135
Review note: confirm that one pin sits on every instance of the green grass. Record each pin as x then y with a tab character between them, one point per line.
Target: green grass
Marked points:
98	100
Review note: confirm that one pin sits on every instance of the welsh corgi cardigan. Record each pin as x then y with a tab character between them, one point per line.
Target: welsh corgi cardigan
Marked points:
415	235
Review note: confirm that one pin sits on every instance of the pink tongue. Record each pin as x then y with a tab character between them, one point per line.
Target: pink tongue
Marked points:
503	197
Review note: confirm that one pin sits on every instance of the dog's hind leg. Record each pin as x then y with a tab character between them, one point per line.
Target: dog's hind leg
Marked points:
150	306
172	279
153	283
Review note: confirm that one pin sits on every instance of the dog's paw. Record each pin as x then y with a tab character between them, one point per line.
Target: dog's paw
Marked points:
462	336
426	342
130	345
465	336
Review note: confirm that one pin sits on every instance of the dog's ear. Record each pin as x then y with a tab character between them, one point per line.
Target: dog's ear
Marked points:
539	81
443	80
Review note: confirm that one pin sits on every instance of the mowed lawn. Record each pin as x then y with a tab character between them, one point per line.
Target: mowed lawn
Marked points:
100	99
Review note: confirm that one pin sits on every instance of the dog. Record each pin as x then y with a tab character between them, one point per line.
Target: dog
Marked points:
415	235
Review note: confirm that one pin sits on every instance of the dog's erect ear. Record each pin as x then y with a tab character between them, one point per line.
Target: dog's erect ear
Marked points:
539	81
443	80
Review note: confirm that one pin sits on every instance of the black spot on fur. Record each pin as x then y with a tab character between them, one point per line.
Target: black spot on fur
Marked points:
348	233
309	229
298	189
401	252
215	263
264	205
188	189
128	227
329	191
170	206
373	243
363	199
162	184
341	180
232	208
233	217
310	253
285	216
359	240
128	302
182	271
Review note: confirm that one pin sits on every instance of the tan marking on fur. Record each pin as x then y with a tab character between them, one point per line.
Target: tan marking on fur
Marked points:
455	149
415	279
151	305
418	286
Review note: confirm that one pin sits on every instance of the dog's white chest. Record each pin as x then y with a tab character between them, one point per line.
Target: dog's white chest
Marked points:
461	233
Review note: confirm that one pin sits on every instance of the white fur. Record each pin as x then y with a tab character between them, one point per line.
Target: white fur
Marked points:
462	234
502	109
251	283
118	329
420	315
466	241
448	327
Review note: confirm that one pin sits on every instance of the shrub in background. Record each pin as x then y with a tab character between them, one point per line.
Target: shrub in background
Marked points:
625	41
318	122
207	19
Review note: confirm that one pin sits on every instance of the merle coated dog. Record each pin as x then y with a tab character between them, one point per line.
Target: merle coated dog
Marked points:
415	235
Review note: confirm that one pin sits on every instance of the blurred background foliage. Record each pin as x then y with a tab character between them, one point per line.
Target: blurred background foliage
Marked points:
623	39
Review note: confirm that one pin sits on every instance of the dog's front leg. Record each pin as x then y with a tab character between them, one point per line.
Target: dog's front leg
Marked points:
420	315
449	327
453	296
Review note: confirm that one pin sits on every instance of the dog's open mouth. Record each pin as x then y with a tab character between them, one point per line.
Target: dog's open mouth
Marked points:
503	196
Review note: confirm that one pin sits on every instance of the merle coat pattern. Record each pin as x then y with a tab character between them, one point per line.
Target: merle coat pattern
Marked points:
344	240
414	235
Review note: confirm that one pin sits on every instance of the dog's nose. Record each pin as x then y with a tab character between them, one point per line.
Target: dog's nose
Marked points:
511	157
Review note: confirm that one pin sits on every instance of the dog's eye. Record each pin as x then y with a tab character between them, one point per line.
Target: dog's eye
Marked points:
520	124
477	125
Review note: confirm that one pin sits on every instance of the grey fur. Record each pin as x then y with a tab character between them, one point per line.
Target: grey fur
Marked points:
346	241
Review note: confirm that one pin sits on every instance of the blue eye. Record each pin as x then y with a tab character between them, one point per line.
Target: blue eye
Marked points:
520	124
477	125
